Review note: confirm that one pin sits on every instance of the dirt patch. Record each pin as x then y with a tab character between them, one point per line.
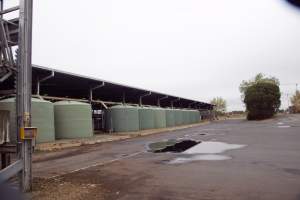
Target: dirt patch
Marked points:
65	189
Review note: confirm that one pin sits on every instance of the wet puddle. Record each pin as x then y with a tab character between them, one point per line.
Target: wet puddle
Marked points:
210	147
284	126
191	150
211	157
176	146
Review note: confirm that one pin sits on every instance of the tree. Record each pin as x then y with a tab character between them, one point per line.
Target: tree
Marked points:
262	100
257	79
296	102
220	105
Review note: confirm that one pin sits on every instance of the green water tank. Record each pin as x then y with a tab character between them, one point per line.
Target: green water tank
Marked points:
186	117
72	120
146	116
196	116
122	118
192	118
42	117
159	118
178	117
170	117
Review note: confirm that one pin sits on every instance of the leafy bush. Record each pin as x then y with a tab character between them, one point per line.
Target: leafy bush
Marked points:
262	100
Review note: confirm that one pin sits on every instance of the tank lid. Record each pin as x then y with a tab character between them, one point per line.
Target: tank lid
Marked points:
158	108
13	99
122	106
145	107
70	103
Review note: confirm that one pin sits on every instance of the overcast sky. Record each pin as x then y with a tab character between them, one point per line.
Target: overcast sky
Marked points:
191	48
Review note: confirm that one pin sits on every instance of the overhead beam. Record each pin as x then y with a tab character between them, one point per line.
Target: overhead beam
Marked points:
142	96
94	88
160	99
12	9
190	105
42	80
173	101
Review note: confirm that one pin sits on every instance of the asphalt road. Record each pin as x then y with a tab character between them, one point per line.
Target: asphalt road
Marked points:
268	167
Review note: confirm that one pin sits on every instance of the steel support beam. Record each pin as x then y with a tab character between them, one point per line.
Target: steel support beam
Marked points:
160	99
94	88
11	171
24	90
2	12
190	105
142	96
2	79
173	101
42	80
124	98
8	148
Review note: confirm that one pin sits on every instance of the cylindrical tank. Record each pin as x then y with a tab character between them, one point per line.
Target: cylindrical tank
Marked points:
159	118
196	116
186	117
122	118
146	116
178	117
42	117
72	120
170	117
190	116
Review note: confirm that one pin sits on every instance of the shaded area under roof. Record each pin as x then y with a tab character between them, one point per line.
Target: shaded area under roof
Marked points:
65	84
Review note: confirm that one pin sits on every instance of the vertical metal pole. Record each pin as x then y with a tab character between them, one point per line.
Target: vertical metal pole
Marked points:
1	7
1	16
91	96
38	86
124	98
24	89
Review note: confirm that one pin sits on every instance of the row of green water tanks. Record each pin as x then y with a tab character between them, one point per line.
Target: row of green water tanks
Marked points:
124	118
59	120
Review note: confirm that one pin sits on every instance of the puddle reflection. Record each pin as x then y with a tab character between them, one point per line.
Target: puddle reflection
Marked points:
212	148
211	157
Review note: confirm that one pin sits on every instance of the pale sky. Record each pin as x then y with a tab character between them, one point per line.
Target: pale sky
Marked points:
191	48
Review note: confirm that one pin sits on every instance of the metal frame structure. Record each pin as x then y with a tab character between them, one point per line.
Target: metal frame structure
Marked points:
77	87
18	33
